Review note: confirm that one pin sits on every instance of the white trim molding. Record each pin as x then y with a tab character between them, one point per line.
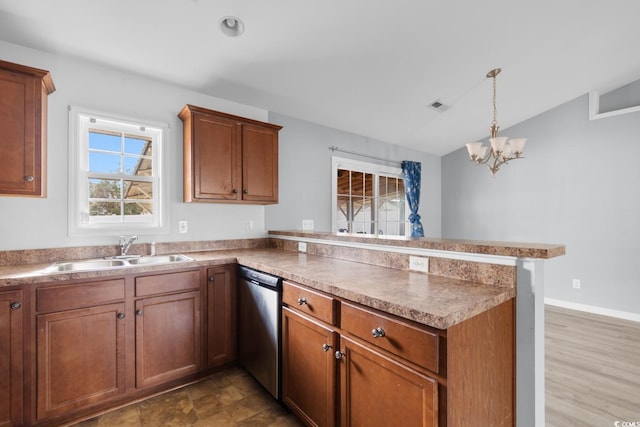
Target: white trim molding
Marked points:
625	315
594	108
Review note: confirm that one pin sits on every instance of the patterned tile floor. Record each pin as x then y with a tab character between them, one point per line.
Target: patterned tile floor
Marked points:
227	399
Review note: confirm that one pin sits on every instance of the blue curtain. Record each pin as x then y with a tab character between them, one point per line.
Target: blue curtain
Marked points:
411	174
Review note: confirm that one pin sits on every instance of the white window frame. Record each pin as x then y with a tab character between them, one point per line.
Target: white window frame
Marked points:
79	224
366	167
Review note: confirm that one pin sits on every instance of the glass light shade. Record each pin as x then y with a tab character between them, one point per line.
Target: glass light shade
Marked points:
507	150
474	148
497	144
517	145
483	151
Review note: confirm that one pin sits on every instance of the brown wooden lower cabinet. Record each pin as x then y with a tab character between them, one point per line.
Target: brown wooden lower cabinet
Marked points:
378	391
167	338
309	368
102	343
222	312
393	372
80	358
71	349
11	356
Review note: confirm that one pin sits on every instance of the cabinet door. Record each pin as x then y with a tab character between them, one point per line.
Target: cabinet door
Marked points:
80	358
167	338
309	384
378	391
221	315
216	158
21	135
11	343
259	164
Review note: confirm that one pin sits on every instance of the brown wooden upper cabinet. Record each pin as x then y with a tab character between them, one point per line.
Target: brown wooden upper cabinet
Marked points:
23	129
229	159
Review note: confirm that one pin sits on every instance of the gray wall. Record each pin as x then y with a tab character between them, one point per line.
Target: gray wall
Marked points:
578	185
305	174
27	223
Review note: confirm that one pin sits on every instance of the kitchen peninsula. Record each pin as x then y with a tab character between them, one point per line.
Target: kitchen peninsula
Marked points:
469	285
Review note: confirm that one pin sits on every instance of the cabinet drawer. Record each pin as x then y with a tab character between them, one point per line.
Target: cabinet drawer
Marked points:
402	339
310	302
167	282
64	297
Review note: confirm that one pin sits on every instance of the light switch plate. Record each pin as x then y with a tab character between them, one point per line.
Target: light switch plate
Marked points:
307	224
418	263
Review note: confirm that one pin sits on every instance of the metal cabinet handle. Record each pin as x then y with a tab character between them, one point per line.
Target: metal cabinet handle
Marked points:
138	312
120	316
29	178
302	301
15	305
326	347
235	191
245	191
339	355
377	332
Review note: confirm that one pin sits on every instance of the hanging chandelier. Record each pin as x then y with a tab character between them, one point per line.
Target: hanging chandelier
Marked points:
501	150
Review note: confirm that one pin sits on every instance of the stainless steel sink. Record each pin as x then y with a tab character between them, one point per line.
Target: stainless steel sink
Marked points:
102	264
98	264
160	259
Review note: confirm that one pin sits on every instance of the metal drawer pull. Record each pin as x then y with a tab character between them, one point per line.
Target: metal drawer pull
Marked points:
326	347
120	316
377	332
339	355
15	305
138	312
302	301
29	178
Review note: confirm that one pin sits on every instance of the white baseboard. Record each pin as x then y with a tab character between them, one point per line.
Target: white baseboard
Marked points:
635	317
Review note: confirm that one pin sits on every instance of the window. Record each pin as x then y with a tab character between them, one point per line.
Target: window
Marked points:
115	175
368	198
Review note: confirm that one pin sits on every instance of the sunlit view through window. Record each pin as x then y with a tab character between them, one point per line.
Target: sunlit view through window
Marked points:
120	175
369	202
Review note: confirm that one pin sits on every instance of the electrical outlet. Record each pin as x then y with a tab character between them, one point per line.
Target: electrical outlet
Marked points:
183	227
418	263
302	246
577	283
307	224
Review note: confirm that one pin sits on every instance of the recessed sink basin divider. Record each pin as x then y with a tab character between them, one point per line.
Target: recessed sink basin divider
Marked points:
102	264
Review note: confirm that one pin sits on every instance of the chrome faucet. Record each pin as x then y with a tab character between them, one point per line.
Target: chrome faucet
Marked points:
125	244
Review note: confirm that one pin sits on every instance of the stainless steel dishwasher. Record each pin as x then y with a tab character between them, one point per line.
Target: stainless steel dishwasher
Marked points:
260	303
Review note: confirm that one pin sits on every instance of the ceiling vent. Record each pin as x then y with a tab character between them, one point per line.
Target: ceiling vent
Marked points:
438	106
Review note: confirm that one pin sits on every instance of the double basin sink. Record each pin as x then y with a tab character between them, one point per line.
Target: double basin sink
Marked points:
101	264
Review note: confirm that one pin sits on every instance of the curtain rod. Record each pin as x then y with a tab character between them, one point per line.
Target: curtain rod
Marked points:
334	149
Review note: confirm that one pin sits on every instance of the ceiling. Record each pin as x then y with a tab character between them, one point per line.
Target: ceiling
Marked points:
370	67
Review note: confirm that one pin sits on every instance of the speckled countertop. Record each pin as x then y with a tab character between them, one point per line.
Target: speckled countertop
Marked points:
432	300
511	249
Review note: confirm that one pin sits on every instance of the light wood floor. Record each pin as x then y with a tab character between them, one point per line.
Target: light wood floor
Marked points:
592	369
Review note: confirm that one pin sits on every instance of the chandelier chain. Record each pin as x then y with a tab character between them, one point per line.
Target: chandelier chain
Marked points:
495	108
